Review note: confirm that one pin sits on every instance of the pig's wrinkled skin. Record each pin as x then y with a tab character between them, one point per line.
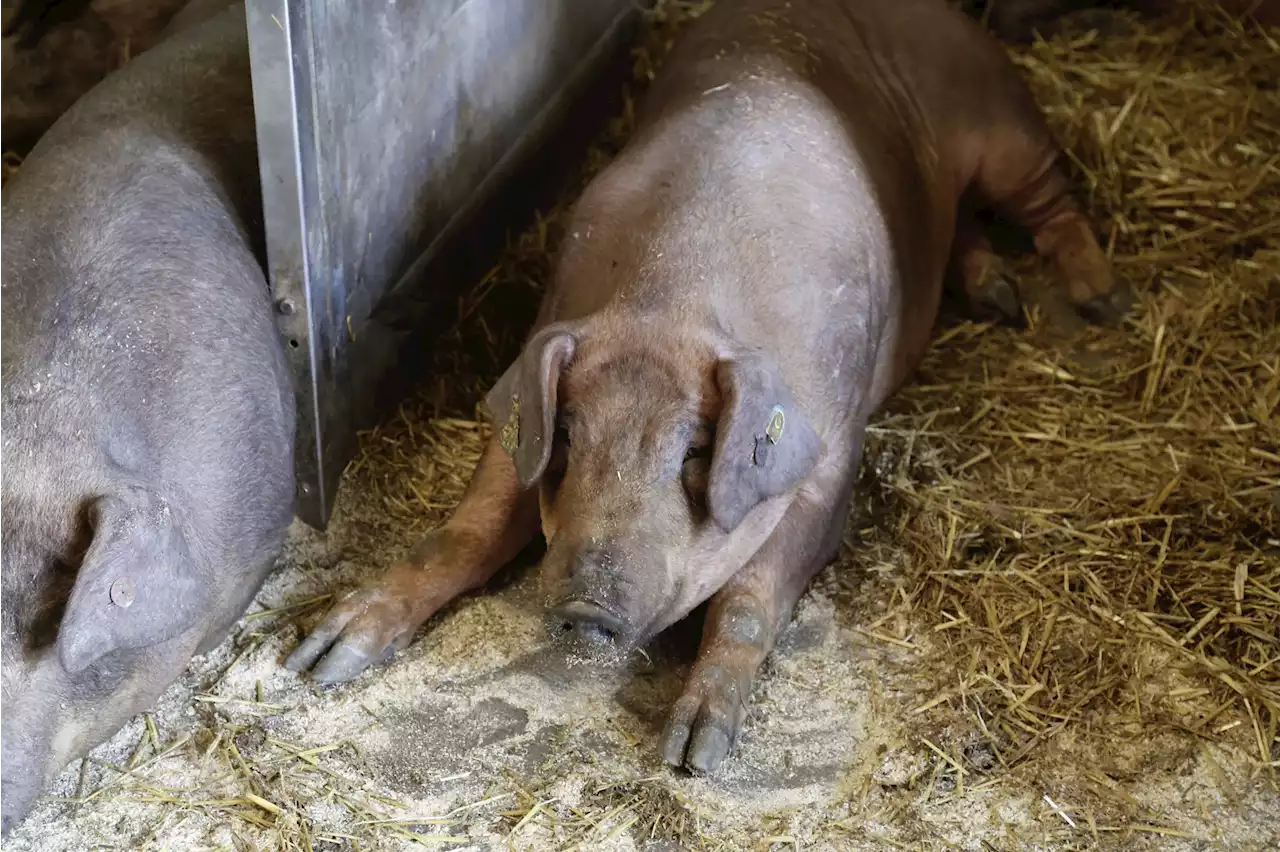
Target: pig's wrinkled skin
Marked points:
56	50
148	415
770	248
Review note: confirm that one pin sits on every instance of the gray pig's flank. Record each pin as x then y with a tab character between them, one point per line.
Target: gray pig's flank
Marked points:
148	478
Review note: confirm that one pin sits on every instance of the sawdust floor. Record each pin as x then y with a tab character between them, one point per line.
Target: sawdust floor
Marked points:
479	737
476	725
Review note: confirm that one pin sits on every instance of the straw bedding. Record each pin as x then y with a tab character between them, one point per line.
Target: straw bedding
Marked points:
1088	519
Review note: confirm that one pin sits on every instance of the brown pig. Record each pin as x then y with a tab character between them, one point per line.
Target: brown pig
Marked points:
738	293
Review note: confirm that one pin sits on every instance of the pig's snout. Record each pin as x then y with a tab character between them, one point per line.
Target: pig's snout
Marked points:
18	792
603	597
585	612
587	624
16	804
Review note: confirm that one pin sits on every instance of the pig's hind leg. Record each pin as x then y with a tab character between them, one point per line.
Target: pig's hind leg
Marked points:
743	621
492	522
1018	173
982	274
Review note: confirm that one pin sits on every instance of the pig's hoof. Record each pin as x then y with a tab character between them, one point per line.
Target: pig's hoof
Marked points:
1109	308
998	297
705	721
357	633
342	664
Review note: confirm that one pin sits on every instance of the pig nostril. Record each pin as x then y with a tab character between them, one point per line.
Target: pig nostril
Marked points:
595	634
587	631
587	622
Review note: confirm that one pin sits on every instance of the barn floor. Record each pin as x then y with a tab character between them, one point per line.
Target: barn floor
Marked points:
1053	627
478	739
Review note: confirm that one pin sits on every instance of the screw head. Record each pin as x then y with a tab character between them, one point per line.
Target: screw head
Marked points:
123	592
286	306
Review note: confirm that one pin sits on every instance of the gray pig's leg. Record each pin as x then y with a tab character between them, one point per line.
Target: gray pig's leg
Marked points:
744	620
493	521
1018	172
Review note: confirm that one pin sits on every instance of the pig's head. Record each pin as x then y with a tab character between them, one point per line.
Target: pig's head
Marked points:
662	465
98	601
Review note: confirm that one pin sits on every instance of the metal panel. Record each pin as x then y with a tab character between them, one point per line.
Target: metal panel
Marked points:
383	126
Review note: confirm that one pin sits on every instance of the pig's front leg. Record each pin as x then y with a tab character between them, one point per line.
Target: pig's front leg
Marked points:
744	620
492	522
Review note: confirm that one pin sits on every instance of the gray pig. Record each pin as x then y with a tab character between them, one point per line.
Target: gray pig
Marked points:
738	293
148	415
56	50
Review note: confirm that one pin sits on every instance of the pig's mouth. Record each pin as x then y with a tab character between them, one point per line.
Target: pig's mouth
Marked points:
587	629
20	794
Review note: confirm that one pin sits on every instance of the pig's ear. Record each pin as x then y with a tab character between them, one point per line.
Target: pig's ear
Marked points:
137	585
523	402
764	444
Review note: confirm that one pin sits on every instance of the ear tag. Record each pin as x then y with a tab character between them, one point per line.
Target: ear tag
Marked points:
509	437
777	422
123	592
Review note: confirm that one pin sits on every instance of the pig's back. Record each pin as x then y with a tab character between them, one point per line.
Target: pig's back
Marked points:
137	335
894	88
773	182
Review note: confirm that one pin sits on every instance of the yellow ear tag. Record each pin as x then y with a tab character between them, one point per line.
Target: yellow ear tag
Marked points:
777	422
509	437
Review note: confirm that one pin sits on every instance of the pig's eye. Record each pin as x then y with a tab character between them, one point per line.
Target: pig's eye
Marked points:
695	474
561	436
48	607
697	452
559	461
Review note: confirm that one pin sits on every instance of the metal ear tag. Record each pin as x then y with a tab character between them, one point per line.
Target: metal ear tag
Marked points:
509	437
777	422
123	592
